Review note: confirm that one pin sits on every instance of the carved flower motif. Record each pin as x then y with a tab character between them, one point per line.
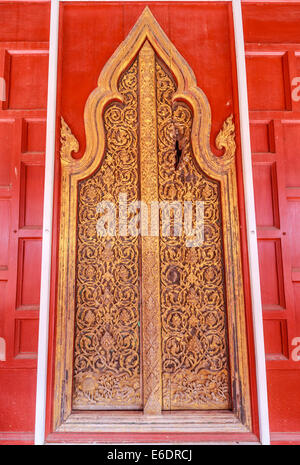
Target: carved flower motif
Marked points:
192	297
107	341
194	344
107	252
192	255
209	274
123	273
88	384
194	320
89	317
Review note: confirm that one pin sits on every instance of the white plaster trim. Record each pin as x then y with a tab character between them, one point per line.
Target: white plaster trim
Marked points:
260	362
41	389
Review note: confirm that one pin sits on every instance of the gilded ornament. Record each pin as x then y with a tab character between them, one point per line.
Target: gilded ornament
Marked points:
147	133
226	138
68	142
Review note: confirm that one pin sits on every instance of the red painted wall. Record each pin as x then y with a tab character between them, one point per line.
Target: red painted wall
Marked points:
272	36
24	36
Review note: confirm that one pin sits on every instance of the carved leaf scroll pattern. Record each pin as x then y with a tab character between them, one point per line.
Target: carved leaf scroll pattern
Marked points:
194	340
225	138
107	345
193	315
68	141
150	282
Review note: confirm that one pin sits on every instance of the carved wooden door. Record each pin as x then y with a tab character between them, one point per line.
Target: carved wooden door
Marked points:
151	295
155	309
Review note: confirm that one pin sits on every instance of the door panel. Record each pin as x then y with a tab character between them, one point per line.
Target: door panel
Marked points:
190	290
107	341
272	50
192	295
159	324
24	35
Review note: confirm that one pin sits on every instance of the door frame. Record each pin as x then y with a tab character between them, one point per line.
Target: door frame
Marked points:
41	393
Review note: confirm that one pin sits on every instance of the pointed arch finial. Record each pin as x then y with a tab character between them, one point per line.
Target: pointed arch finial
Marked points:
147	28
225	139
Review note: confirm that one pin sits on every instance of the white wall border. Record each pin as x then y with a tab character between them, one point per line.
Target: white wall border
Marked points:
261	377
41	390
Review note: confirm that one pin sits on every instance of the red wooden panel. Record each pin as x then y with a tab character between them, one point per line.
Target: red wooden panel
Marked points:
24	21
271	23
262	137
265	190
2	307
266	82
6	147
17	399
275	332
29	273
270	262
272	36
284	406
35	135
294	222
291	140
4	232
26	338
32	192
293	211
298	63
24	34
297	305
28	80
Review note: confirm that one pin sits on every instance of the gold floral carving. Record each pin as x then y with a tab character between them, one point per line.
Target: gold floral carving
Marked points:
226	138
147	99
68	142
193	308
107	346
152	380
